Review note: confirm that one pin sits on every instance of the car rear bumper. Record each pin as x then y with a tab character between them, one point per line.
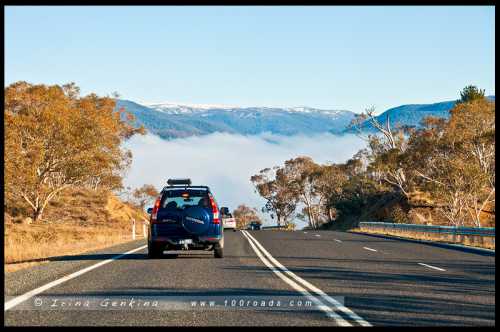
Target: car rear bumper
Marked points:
209	239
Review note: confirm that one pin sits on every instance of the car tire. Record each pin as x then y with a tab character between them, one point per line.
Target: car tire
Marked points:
218	251
153	251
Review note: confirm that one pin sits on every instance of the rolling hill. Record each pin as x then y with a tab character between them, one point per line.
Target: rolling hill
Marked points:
413	114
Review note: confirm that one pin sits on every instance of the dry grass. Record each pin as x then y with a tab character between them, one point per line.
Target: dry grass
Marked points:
473	241
27	245
78	222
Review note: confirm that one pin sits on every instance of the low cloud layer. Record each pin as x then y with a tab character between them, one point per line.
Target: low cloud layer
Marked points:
225	162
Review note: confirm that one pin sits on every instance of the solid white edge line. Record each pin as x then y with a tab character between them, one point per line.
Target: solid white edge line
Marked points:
369	249
320	305
21	298
432	267
315	289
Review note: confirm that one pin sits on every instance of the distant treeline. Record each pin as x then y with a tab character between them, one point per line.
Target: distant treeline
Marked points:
447	165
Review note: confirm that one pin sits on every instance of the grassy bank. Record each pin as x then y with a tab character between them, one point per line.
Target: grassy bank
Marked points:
28	245
79	221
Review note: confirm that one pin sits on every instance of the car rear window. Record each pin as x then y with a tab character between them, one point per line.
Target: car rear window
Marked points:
183	198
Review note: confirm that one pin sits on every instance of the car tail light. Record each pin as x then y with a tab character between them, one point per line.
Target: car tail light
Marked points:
156	207
215	210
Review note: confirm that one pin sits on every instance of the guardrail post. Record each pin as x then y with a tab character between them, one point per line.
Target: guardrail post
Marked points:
133	229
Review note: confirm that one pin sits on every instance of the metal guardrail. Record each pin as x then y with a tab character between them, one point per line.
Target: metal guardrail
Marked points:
479	231
273	227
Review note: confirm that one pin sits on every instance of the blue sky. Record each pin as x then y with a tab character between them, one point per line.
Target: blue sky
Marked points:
328	57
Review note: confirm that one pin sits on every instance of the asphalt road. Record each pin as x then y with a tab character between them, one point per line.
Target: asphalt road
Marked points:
339	279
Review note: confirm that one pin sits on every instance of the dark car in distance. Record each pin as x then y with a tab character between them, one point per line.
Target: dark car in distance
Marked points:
185	217
254	225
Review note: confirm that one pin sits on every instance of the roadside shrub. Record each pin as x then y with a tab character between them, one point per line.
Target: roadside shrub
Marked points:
399	216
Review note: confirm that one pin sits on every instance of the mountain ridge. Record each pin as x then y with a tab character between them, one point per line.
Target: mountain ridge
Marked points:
412	114
177	120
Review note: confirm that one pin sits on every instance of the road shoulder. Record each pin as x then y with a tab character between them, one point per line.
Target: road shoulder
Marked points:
21	281
463	248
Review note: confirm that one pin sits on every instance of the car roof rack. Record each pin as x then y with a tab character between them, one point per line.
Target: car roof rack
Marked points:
185	187
182	183
174	182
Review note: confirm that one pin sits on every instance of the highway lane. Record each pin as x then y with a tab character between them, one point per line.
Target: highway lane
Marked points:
386	286
193	275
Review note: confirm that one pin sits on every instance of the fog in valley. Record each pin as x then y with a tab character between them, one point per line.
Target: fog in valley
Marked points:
225	162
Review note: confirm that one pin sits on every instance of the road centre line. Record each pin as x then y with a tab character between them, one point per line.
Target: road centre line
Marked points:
19	299
310	286
320	305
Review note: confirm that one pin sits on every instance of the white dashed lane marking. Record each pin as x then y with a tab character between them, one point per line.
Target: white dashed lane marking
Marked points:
432	267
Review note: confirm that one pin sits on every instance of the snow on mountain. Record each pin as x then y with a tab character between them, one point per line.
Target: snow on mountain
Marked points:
304	109
185	108
179	108
171	120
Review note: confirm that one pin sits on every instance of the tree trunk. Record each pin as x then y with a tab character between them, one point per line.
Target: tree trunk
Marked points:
309	212
330	213
37	214
38	207
309	215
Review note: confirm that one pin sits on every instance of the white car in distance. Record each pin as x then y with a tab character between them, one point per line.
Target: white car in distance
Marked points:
228	221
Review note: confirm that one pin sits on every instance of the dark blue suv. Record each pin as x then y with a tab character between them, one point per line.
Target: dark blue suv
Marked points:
185	217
